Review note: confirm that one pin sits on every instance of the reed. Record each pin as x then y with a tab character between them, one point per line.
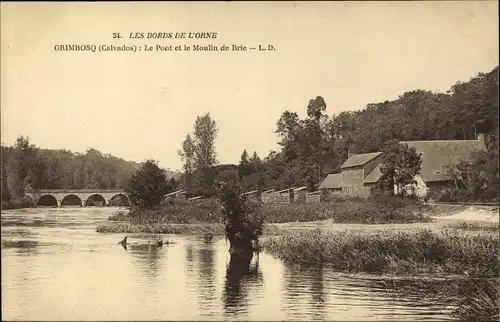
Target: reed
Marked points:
474	226
421	251
185	229
470	298
478	300
379	210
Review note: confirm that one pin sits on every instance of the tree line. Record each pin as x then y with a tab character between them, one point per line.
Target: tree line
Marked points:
313	147
310	148
25	166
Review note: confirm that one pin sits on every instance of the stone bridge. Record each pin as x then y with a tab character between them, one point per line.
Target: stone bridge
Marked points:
82	194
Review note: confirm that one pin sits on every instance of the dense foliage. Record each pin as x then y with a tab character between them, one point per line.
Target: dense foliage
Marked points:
400	166
148	185
317	145
477	180
26	166
199	156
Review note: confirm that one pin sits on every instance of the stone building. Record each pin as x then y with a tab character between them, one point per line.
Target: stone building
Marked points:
355	170
436	157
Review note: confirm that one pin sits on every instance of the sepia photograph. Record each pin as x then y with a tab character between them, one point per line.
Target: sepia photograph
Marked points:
251	161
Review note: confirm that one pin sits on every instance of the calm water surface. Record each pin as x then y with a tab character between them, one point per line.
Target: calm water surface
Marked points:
56	267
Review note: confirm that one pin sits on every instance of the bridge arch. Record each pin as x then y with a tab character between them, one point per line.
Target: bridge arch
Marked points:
122	196
32	200
95	198
46	200
69	197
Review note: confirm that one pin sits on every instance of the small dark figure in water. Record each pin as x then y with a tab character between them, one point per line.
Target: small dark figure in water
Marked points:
157	243
208	238
124	242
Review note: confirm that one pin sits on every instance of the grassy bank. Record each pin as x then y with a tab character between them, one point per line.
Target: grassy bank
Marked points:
380	210
474	226
473	258
171	228
398	253
376	210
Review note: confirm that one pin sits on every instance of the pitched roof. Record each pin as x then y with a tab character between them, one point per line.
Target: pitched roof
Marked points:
437	155
360	159
374	176
174	193
332	181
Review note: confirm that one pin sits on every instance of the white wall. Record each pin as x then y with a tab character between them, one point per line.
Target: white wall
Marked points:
419	188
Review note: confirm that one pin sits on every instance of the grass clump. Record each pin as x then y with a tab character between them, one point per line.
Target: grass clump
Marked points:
376	210
187	229
421	251
170	228
474	226
179	212
118	216
478	300
470	298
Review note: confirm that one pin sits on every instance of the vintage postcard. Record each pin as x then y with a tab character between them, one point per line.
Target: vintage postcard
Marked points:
258	161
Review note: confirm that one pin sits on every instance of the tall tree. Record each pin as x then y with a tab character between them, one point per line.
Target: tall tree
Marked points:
187	155
205	133
289	129
244	165
205	155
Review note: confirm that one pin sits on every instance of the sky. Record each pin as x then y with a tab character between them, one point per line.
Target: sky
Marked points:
141	105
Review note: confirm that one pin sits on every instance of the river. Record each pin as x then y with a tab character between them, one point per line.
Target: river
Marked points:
56	267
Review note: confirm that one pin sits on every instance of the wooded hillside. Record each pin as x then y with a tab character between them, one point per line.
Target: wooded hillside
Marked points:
315	146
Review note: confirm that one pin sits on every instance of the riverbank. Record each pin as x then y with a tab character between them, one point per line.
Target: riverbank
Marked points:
421	251
353	215
216	229
380	210
461	250
16	204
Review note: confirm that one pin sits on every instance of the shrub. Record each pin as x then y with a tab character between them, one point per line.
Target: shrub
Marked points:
148	186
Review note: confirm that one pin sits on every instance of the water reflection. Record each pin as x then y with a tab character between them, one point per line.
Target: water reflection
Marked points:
187	280
240	278
189	258
206	279
304	288
317	290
